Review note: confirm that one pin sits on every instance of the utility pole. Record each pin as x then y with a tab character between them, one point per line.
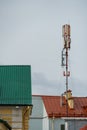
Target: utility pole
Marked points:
66	47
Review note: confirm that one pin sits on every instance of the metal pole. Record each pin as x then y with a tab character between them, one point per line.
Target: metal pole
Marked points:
67	41
67	81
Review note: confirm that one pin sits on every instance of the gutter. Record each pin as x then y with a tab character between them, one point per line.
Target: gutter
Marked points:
74	118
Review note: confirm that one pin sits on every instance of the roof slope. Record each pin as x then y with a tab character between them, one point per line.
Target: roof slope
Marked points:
15	85
53	107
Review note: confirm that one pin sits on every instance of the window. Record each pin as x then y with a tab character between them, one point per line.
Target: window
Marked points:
62	127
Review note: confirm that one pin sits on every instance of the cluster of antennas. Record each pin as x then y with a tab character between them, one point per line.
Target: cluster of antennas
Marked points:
66	35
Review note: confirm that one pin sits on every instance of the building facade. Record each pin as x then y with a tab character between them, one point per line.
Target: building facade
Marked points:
49	114
15	95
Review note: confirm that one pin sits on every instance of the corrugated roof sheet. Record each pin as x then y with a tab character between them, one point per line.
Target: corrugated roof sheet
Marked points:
53	107
15	85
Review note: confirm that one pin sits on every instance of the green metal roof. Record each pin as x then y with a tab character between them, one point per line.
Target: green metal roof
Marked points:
15	85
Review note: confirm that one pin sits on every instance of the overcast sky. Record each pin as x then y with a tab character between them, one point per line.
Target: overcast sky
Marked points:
31	33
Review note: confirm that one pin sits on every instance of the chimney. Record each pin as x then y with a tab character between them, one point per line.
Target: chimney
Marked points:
68	95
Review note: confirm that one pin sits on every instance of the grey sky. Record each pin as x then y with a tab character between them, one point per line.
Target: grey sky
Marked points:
31	33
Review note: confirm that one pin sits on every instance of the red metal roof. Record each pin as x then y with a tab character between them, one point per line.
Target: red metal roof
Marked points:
53	107
84	128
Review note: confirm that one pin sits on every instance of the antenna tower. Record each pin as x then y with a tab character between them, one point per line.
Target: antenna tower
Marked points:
66	47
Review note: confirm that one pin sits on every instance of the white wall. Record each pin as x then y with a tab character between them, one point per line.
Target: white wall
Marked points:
55	124
39	119
36	119
45	119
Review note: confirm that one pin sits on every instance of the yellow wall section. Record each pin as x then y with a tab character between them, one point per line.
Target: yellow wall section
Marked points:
6	114
18	118
25	115
2	127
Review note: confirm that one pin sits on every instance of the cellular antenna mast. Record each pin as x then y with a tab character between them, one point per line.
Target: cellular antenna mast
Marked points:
66	47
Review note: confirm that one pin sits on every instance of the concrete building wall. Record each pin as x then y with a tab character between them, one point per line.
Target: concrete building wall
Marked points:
76	124
36	119
45	119
55	124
